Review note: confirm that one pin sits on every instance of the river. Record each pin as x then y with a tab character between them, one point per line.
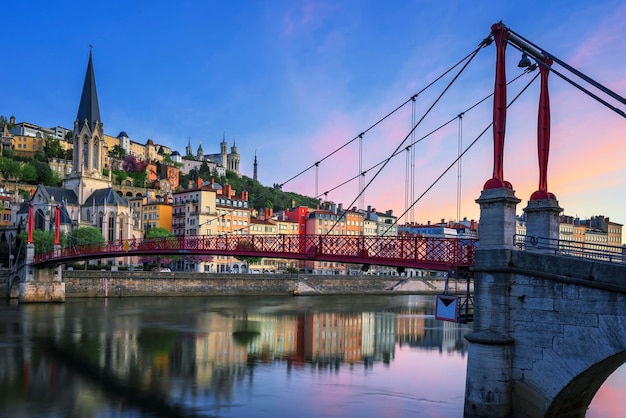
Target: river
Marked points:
317	356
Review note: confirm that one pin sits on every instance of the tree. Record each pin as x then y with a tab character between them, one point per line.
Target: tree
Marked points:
87	235
44	172
28	173
160	235
133	165
9	168
42	240
118	152
53	148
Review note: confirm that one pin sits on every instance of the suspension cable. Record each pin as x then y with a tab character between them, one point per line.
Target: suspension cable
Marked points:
482	45
413	129
462	154
443	125
408	147
579	87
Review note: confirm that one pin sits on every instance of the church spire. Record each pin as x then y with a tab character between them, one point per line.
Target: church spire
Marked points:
89	108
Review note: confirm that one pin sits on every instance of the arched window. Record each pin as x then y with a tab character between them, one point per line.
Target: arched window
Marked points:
111	232
122	222
85	152
96	154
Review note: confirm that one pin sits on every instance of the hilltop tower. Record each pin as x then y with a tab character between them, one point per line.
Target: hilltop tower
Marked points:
200	154
224	151
188	149
254	175
233	158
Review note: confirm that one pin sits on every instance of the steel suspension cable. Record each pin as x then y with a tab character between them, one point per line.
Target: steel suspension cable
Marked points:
484	43
462	154
473	53
412	130
581	88
420	139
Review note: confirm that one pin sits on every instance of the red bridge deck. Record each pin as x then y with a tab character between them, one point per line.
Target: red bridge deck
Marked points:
408	252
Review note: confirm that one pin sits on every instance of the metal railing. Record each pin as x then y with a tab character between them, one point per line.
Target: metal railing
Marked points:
591	251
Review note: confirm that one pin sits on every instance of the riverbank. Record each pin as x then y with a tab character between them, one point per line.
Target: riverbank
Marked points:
131	284
95	284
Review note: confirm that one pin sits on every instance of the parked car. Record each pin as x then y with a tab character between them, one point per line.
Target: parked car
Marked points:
165	270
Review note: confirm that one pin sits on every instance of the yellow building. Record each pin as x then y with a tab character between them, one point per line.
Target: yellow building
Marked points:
60	166
26	146
157	215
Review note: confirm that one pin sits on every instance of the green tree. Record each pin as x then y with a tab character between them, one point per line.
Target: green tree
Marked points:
52	148
44	172
120	176
118	152
69	136
28	173
42	240
86	235
9	168
167	238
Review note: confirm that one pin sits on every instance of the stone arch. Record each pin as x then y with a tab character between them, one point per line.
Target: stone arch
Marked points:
129	194
575	398
138	195
128	183
119	193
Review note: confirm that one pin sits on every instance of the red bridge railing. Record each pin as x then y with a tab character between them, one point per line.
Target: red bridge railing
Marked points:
409	252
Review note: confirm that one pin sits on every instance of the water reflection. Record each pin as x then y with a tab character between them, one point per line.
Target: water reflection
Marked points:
220	357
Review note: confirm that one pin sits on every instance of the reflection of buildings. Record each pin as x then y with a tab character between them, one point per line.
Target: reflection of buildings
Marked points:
331	337
208	358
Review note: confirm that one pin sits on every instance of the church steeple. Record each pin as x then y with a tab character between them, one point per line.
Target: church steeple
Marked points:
89	109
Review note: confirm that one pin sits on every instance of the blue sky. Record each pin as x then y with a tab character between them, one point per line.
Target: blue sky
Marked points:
294	80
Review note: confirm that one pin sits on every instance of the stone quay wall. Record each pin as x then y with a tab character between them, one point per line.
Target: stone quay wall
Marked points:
80	283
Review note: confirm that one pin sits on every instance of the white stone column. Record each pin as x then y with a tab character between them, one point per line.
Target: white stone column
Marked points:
542	225
497	218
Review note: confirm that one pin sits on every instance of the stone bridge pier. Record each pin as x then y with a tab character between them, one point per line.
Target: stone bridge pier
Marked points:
548	329
41	284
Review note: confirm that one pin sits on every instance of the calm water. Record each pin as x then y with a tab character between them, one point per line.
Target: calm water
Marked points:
319	356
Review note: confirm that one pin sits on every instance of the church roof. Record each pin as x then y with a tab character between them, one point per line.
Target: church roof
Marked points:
108	196
58	194
89	108
123	134
175	153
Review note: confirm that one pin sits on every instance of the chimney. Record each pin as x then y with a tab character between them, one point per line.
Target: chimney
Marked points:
369	208
199	182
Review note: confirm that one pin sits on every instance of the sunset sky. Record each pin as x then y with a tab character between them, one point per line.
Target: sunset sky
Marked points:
294	80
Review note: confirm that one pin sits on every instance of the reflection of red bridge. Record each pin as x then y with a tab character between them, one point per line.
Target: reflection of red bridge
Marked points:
408	252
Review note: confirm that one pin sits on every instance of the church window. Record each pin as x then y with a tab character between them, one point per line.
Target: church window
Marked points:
111	232
96	153
85	152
